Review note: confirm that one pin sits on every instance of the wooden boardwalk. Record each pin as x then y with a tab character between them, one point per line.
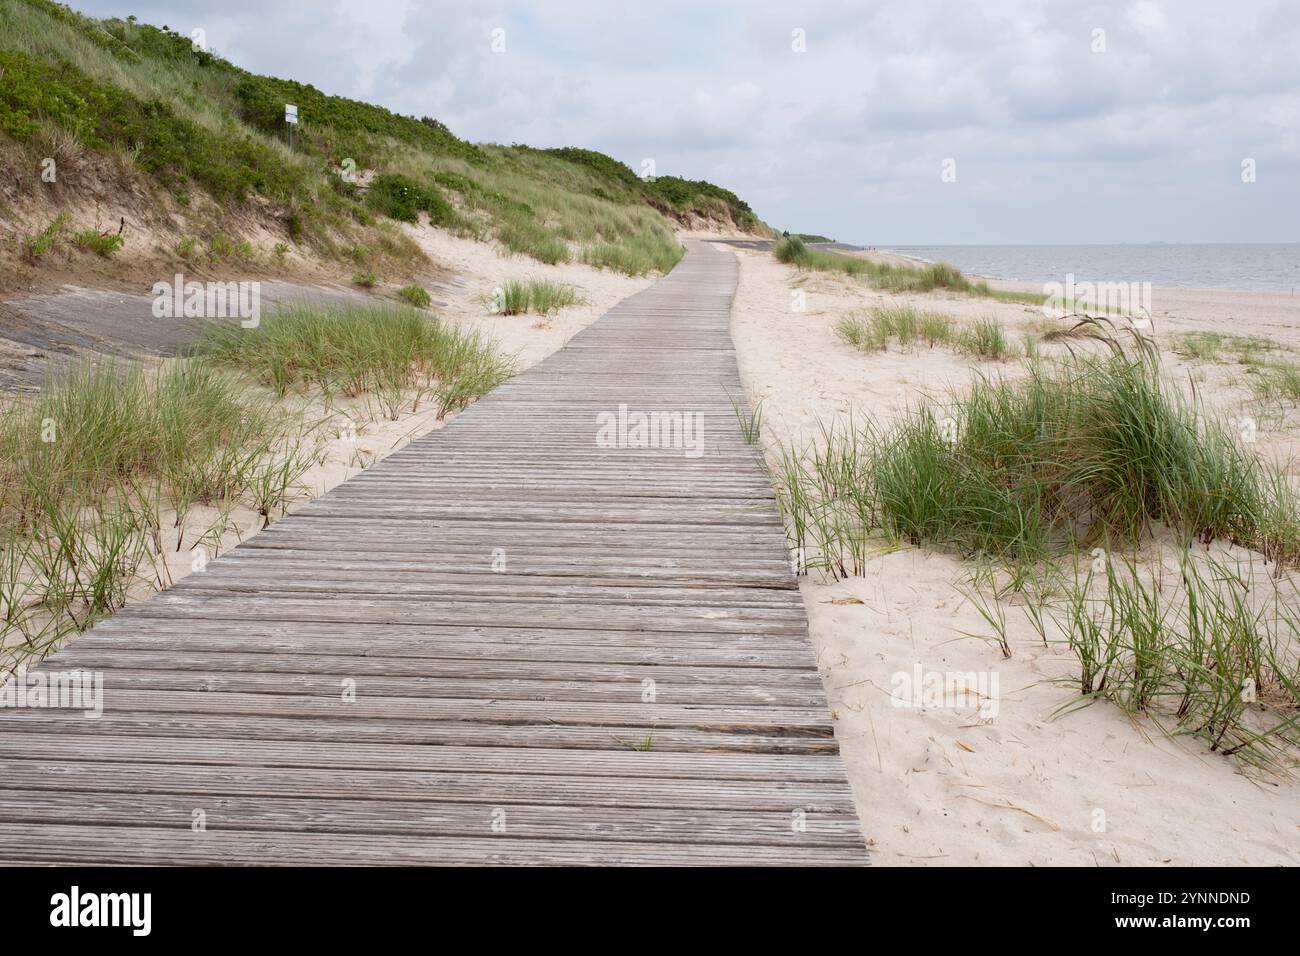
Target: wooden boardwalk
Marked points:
504	644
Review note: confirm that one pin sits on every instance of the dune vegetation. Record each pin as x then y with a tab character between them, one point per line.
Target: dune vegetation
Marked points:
1051	480
394	352
542	296
88	468
188	124
935	276
101	469
908	326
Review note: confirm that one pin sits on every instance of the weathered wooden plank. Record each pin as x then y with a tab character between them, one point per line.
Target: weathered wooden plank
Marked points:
519	821
379	729
195	603
499	637
91	776
50	843
625	763
486	587
736	718
299	640
184	657
752	694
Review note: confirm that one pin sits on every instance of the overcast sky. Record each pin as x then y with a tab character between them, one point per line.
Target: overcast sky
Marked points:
1051	139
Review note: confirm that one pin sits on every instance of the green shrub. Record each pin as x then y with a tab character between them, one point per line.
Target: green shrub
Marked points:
168	147
416	295
401	198
101	243
365	278
605	166
190	120
34	247
684	196
339	127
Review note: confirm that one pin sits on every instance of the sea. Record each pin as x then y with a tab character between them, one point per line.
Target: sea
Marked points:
1255	266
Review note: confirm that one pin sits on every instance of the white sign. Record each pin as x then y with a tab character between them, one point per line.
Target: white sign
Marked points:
290	113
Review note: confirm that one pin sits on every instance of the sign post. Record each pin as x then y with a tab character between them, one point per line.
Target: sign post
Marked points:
291	117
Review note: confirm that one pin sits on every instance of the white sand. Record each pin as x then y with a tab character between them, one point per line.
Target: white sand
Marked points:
481	268
941	785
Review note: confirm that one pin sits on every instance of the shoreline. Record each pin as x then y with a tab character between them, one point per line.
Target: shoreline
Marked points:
1033	285
1182	308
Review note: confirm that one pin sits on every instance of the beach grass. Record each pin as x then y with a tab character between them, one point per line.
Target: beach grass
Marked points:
103	244
513	297
1272	375
1224	347
908	326
541	296
1206	649
1070	453
540	204
547	297
87	465
984	339
750	419
393	352
37	245
1279	382
1049	483
863	333
636	255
